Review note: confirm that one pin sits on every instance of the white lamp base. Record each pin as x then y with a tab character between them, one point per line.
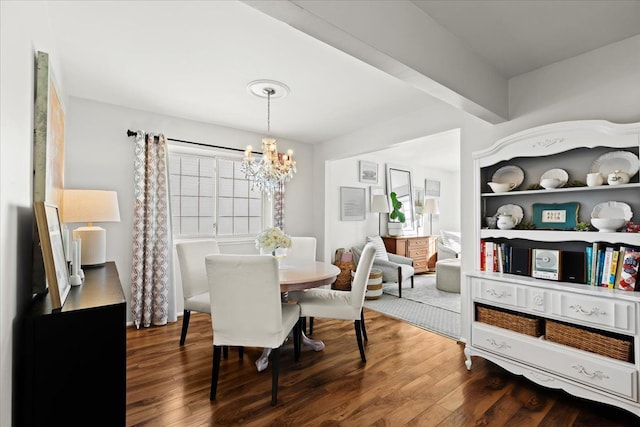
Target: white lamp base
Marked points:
94	245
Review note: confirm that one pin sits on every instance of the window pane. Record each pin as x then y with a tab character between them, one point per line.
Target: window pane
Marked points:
175	206
241	225
241	189
225	226
255	225
174	184
189	166
255	207
225	187
206	227
225	168
206	187
207	167
174	164
206	207
189	206
189	226
189	186
240	207
225	207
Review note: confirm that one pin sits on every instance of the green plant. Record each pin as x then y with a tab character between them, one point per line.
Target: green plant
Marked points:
526	225
583	226
576	183
396	213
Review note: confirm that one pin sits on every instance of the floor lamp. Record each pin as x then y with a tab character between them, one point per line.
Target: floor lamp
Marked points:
431	207
380	204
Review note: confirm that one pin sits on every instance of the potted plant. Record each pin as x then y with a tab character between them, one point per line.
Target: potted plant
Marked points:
396	216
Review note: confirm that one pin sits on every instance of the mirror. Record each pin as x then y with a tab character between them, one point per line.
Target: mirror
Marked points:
399	181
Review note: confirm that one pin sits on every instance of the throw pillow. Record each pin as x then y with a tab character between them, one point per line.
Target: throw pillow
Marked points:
381	251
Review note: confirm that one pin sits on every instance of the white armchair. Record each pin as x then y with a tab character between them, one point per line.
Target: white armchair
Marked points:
449	245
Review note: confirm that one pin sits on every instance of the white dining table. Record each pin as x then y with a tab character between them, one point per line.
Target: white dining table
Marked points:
299	274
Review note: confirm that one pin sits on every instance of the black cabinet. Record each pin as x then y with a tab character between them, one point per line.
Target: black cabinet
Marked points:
73	362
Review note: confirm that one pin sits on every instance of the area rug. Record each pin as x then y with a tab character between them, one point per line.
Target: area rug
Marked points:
424	306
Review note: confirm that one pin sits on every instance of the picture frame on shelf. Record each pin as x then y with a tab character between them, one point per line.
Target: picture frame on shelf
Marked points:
352	203
555	216
53	254
368	172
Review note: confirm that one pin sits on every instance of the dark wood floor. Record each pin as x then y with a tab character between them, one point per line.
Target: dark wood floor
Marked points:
412	377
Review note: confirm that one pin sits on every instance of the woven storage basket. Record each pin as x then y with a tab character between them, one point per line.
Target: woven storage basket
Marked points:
595	342
514	322
343	281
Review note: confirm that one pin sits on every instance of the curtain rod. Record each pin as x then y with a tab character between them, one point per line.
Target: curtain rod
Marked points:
133	133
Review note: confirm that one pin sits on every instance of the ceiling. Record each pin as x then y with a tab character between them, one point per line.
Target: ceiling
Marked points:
193	59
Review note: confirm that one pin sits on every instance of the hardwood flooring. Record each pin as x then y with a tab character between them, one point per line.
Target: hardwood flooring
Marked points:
412	377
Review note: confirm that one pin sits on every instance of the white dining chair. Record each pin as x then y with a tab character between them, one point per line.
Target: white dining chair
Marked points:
334	304
302	248
195	287
246	310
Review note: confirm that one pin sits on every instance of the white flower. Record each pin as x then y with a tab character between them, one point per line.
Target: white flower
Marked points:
272	238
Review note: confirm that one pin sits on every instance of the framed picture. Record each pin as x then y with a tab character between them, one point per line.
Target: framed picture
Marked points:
374	191
432	188
55	260
555	216
352	203
368	172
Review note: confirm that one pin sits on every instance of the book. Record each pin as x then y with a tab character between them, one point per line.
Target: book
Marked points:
599	264
611	277
500	258
588	254
594	263
489	257
629	274
606	267
619	267
483	248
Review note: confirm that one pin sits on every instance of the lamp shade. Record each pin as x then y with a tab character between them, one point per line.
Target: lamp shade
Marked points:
379	203
90	206
431	206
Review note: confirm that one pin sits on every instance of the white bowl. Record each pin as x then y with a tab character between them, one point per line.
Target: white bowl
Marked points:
608	225
550	183
501	187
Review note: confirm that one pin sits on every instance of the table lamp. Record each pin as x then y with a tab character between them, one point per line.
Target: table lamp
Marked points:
431	207
90	206
380	204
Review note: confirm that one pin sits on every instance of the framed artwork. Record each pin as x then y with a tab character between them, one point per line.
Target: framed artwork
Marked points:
374	191
52	247
48	155
368	172
432	187
555	216
352	203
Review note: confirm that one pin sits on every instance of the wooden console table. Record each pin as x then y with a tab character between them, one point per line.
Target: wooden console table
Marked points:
73	362
422	249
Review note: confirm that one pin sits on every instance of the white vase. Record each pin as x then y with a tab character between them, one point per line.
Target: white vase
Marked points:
394	228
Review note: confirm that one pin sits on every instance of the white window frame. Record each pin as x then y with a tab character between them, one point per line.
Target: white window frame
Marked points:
216	155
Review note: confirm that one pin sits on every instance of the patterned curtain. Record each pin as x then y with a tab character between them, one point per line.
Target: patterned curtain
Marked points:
152	290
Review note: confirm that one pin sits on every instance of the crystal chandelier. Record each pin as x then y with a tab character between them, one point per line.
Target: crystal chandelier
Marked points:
269	171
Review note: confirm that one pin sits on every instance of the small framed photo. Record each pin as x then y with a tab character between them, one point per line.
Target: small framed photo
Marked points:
54	257
368	172
546	264
353	202
555	216
432	188
374	191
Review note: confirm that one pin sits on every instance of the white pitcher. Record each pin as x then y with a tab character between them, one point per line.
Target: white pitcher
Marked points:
594	179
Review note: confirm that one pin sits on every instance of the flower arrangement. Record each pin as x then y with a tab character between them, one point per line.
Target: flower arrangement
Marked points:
272	239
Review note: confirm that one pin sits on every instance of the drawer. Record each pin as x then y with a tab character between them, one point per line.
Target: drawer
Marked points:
606	374
420	266
500	292
606	312
417	253
417	243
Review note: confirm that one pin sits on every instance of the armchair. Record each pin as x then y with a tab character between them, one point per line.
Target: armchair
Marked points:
449	245
397	269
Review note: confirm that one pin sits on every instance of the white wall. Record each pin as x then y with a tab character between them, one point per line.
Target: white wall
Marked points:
99	155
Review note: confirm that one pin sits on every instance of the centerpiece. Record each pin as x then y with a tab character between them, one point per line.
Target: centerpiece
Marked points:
272	239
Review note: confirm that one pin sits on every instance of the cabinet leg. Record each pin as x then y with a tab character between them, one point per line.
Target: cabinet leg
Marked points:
467	354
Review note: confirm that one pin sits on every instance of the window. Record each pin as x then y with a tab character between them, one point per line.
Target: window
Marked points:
210	196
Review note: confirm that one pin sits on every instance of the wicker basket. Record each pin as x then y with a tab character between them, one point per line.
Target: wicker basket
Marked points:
595	342
343	281
521	323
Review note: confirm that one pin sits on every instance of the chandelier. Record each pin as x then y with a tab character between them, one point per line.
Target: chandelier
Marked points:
272	169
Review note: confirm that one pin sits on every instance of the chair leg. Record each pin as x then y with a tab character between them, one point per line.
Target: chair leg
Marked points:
185	325
310	325
364	328
275	360
399	282
412	281
215	370
297	338
358	328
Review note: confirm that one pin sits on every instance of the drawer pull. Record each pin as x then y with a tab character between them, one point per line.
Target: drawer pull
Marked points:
595	311
540	377
596	375
500	294
496	345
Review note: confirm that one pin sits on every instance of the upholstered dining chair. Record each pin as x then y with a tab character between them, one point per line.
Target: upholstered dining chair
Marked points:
302	248
195	287
247	311
334	304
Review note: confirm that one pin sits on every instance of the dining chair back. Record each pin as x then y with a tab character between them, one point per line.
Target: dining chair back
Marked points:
193	275
344	305
302	248
246	309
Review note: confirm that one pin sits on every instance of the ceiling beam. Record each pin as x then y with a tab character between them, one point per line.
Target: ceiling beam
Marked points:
401	40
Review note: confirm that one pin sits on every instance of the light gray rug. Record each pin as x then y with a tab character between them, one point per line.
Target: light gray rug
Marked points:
424	306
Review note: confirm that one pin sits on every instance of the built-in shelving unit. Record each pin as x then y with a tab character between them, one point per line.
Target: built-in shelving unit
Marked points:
610	315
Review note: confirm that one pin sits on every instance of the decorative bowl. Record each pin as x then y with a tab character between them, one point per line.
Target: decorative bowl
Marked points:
550	183
608	225
501	187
